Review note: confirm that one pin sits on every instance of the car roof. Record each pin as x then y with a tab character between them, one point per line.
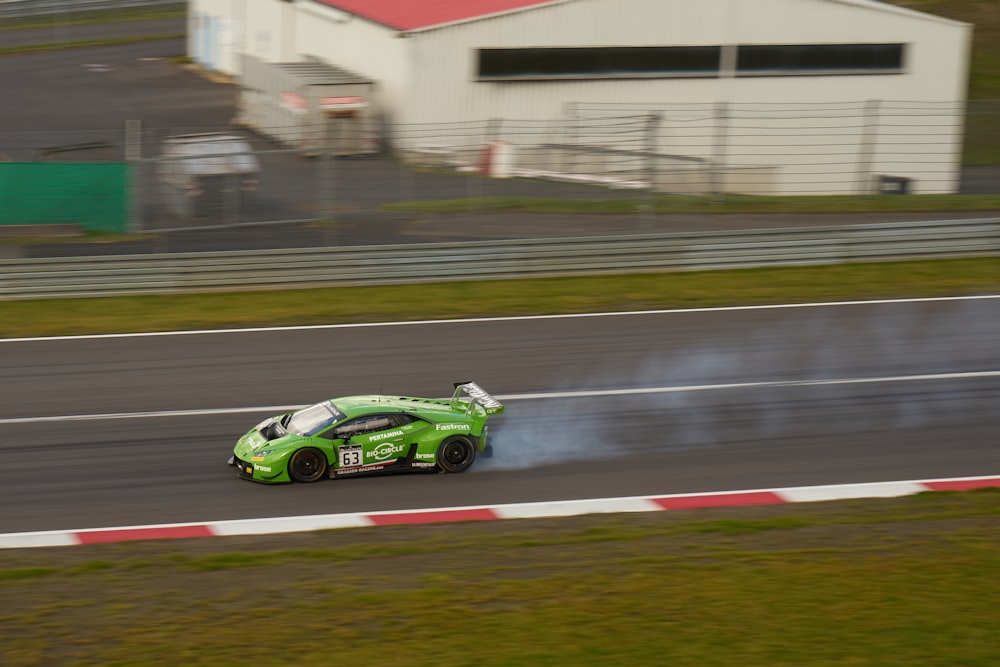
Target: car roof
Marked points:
356	406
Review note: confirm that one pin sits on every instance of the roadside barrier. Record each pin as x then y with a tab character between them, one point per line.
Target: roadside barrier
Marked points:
482	260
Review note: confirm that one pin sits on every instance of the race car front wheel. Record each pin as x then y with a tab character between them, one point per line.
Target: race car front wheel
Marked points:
307	465
456	454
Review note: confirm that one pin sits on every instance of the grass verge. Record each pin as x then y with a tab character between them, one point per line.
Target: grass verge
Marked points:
108	41
907	581
71	18
984	15
50	317
76	236
702	205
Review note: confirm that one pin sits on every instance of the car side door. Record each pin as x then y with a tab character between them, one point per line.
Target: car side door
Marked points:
388	439
349	440
376	440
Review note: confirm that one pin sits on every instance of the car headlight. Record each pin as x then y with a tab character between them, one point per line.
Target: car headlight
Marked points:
259	456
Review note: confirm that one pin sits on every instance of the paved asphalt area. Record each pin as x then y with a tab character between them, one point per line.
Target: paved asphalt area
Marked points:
86	94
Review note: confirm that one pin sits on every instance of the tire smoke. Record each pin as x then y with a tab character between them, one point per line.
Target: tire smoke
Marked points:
904	340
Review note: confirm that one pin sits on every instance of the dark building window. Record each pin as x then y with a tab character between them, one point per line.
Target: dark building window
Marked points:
599	63
777	59
688	61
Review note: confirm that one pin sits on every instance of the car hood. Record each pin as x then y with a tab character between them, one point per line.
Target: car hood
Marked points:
254	442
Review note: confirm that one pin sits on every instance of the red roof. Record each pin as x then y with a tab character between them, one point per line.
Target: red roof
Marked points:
414	14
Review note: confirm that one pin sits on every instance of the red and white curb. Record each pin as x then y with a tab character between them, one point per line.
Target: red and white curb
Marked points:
560	508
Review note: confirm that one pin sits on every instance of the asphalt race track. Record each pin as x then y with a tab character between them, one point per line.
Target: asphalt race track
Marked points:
917	395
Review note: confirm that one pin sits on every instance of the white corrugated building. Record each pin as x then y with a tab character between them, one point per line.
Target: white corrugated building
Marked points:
760	96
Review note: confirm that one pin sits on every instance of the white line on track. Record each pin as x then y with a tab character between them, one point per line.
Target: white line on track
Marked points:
749	385
271	409
359	325
595	393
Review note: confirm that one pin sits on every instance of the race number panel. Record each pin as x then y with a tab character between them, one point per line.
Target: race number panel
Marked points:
350	456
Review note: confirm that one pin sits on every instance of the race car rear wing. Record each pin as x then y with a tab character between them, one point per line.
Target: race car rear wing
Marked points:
477	396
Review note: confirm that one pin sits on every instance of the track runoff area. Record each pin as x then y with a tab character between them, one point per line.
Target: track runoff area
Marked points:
548	509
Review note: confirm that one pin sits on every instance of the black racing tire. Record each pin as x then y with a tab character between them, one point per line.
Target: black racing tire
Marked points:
307	465
456	454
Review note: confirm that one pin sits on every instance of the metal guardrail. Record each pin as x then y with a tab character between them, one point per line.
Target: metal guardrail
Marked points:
439	262
15	9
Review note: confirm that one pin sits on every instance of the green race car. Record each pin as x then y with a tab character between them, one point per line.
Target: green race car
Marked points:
359	435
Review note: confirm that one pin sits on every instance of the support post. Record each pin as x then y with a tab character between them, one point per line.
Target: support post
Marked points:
328	174
652	151
133	156
720	150
866	154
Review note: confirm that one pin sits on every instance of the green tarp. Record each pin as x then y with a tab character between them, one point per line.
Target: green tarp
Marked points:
93	195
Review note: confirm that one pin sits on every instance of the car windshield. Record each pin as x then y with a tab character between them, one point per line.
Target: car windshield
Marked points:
315	418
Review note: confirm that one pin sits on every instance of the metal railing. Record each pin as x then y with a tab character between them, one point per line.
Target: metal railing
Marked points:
439	262
15	9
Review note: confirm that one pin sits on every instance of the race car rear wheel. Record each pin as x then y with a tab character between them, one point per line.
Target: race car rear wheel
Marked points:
456	454
307	465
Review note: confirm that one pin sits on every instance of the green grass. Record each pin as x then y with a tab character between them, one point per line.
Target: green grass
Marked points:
89	18
58	46
878	583
665	204
984	15
982	134
48	317
26	573
76	236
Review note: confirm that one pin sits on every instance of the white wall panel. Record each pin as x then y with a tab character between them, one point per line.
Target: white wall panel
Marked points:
429	76
261	28
369	49
444	59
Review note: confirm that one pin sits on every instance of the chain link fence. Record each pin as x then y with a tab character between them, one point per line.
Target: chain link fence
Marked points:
594	151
